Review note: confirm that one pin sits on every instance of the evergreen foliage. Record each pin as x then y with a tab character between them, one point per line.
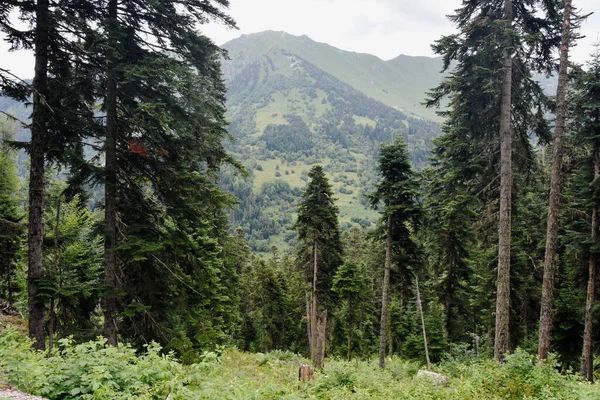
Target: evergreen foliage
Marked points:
317	225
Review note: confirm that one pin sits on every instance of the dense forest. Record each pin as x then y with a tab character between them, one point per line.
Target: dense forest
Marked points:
151	216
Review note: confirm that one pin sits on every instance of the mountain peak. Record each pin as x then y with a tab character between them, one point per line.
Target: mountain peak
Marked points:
400	83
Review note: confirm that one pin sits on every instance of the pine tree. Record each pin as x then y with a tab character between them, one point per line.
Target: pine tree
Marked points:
555	187
397	194
11	226
319	250
587	127
498	45
352	286
62	111
449	242
163	97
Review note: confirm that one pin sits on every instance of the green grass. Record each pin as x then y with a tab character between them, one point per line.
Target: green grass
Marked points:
348	204
93	371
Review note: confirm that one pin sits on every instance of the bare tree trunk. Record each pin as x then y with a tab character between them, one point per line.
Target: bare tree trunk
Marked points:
420	306
309	323
52	313
36	176
110	189
320	340
447	305
385	300
9	281
587	356
555	188
349	342
501	342
313	312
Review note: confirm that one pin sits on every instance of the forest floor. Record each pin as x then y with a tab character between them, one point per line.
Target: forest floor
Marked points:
94	371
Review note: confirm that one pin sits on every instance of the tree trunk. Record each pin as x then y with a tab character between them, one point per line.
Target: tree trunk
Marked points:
420	306
36	176
587	356
110	189
555	188
309	323
501	342
447	305
9	281
52	313
314	310
349	341
320	340
385	300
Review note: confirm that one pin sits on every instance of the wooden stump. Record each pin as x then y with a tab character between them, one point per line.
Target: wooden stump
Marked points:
305	373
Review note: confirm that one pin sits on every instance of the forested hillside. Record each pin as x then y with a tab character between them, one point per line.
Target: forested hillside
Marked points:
286	112
179	222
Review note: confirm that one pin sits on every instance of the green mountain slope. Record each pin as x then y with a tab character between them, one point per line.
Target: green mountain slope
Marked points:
287	114
400	83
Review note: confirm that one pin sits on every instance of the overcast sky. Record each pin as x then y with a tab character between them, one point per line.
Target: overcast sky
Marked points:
385	28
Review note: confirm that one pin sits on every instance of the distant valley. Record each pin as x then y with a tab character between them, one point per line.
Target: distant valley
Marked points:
293	103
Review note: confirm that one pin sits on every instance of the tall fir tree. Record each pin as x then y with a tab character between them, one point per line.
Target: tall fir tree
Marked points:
11	219
545	334
498	46
319	251
396	193
586	116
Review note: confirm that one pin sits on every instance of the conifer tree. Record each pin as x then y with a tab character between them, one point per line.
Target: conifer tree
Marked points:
61	115
319	250
491	89
587	131
396	193
163	98
352	286
11	226
545	333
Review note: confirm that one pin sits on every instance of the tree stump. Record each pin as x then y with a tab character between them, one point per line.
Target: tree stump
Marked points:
305	373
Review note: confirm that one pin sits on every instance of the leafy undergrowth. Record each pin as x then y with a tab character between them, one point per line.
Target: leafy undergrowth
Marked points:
91	371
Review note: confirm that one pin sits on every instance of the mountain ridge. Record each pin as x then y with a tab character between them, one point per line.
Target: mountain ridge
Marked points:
400	83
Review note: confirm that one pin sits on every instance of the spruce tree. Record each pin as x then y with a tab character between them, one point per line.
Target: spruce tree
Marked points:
11	226
319	251
61	115
352	286
545	334
396	193
587	132
491	89
163	96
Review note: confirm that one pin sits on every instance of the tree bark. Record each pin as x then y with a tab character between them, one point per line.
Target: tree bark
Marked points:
501	343
314	310
420	305
587	356
36	176
9	281
349	342
52	313
321	338
110	190
555	188
385	300
309	323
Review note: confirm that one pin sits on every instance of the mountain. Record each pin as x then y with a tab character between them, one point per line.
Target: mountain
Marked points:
293	103
400	83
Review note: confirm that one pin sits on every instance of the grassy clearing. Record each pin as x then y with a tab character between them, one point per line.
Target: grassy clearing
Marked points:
92	371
